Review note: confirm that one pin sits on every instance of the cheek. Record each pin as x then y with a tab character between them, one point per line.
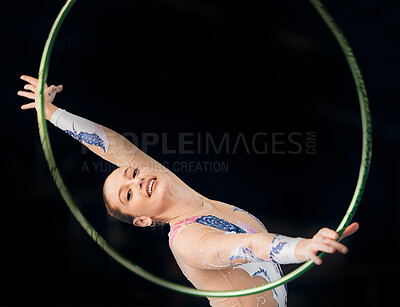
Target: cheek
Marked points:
163	190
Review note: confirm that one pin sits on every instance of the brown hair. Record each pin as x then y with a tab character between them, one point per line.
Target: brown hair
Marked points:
116	212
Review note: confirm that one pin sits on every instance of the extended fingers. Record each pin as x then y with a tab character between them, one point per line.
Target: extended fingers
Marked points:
328	246
29	79
325	241
30	87
316	247
323	247
315	258
331	246
29	95
350	230
327	233
28	106
336	245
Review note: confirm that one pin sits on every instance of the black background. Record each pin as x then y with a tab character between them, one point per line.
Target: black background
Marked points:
207	68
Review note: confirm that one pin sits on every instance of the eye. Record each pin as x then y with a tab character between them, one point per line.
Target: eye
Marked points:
129	195
134	173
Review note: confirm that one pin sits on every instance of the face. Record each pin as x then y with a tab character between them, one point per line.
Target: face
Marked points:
142	192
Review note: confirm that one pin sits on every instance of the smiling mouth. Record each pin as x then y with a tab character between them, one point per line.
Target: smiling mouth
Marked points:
150	187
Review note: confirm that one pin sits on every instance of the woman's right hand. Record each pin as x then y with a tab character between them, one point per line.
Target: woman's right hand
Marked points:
323	241
32	93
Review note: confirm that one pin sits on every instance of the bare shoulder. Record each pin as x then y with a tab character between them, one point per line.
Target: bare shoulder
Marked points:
187	235
220	204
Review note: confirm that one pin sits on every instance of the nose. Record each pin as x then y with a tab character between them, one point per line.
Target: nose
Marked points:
138	181
141	182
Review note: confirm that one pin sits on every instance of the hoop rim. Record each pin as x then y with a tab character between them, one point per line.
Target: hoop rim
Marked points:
356	199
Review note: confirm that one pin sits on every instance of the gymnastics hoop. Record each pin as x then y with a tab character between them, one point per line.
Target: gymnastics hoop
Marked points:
362	177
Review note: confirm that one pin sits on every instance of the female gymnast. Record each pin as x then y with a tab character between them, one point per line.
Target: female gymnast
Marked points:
217	246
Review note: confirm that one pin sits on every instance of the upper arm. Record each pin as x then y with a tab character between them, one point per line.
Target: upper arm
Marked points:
203	247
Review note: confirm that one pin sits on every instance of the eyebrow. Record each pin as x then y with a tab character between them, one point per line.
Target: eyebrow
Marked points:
120	189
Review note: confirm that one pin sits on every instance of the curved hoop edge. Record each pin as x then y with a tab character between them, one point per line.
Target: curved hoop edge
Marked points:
363	173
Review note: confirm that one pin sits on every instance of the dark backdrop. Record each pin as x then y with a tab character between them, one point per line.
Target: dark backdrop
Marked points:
262	71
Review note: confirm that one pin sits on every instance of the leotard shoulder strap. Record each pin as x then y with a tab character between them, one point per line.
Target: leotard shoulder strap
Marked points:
207	220
176	226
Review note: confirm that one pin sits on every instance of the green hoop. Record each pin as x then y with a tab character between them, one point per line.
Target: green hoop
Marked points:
363	172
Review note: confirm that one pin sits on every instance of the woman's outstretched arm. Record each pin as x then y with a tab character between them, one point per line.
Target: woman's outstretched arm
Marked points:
103	141
203	247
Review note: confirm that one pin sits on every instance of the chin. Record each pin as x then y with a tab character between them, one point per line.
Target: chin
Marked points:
162	189
165	190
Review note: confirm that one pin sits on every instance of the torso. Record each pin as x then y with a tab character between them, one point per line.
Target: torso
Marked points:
229	219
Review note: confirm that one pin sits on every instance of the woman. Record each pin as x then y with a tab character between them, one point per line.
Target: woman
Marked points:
216	245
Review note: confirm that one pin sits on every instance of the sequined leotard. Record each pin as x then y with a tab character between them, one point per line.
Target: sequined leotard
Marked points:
212	252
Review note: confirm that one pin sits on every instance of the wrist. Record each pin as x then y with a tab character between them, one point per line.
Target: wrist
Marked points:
49	111
299	250
283	249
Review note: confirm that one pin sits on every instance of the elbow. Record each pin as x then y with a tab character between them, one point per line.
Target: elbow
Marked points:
260	244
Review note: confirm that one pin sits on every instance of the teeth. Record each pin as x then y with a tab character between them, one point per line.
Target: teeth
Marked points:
149	189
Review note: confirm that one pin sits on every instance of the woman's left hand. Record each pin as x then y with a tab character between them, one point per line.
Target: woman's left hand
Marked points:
32	93
323	241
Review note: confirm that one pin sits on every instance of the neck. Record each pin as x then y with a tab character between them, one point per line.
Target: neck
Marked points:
185	205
